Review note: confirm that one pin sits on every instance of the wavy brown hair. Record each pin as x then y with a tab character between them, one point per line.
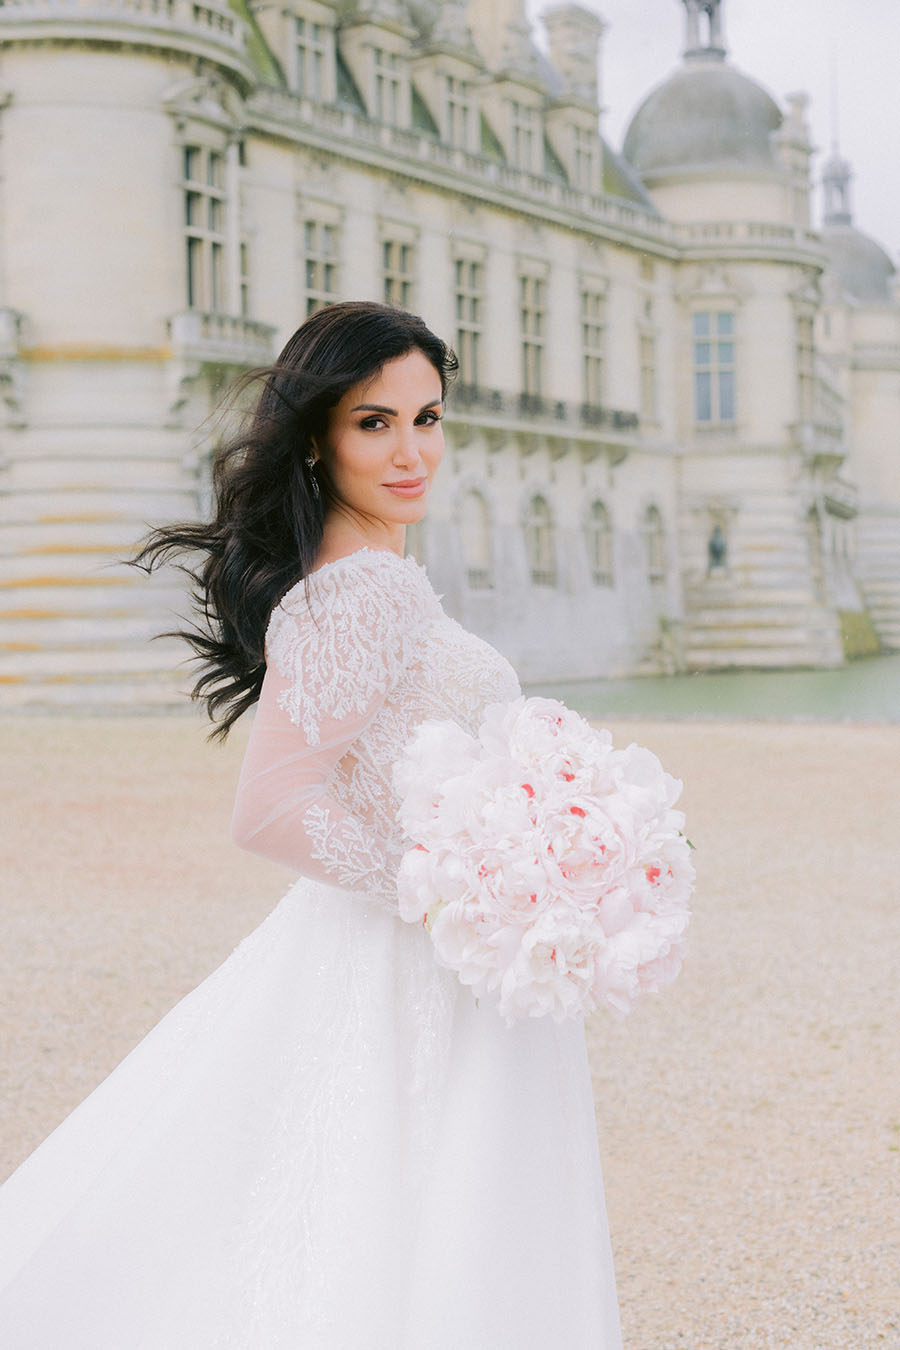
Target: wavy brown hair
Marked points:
269	505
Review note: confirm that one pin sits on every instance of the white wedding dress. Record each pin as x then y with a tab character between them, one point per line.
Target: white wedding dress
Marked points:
328	1144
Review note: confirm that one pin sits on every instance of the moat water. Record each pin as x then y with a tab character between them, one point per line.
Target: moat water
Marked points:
862	691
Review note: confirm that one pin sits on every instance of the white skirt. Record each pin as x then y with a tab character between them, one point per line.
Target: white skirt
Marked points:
326	1145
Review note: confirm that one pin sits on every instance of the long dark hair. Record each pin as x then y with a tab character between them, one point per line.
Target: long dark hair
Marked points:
269	503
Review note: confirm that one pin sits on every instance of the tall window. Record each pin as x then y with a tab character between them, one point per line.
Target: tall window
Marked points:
204	211
713	334
320	262
805	367
469	287
398	263
477	546
523	120
593	313
244	257
540	542
459	111
532	319
311	41
648	376
599	539
585	155
387	86
655	543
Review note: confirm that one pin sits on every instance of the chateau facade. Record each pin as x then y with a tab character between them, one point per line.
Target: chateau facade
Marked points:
675	441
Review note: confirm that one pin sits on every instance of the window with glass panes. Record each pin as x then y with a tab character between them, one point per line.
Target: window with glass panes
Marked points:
320	262
805	367
477	547
599	538
713	336
585	153
469	291
310	45
204	209
647	344
523	119
593	313
398	262
387	86
459	111
540	542
532	322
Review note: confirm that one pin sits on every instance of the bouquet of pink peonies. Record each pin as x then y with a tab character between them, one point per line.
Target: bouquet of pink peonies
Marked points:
550	869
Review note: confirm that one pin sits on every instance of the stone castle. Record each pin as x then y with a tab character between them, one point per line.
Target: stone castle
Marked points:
675	442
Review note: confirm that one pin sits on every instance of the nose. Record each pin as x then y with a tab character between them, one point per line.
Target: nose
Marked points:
406	448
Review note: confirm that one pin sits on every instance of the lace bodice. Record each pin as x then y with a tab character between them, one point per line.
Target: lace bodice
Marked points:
352	670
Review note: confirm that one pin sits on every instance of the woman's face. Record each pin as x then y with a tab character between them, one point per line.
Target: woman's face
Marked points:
385	442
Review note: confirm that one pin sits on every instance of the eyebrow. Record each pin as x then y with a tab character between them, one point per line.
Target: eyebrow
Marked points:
392	412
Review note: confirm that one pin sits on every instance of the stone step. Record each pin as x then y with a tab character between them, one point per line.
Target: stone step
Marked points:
749	615
773	658
97	660
746	597
751	638
96	473
55	597
97	504
61	536
69	566
149	692
55	630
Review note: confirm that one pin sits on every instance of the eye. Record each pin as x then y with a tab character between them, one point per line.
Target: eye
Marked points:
372	423
428	418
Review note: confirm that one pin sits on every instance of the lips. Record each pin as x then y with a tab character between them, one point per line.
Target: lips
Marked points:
408	487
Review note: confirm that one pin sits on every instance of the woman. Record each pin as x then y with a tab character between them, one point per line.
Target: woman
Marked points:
328	1144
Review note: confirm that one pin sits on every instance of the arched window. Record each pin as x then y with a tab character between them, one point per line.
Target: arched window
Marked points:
477	543
599	539
655	539
540	542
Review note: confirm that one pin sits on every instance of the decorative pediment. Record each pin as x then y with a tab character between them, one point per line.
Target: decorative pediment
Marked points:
710	281
208	99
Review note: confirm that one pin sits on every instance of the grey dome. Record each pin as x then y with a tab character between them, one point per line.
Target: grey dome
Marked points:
706	115
862	266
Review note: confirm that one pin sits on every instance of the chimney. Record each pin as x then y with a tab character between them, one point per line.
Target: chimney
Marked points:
575	34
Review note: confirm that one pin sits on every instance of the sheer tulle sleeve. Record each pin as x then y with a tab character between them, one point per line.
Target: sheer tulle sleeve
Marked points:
330	668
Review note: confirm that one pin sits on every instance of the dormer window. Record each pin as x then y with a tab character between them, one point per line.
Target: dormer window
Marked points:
387	86
524	130
585	154
459	112
311	49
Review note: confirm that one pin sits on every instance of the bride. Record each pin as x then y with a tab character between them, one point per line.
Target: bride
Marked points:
329	1144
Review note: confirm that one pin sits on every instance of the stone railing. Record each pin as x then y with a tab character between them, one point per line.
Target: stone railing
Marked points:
274	109
207	23
551	416
745	234
221	339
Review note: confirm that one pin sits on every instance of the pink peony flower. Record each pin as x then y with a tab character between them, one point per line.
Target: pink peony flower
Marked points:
550	869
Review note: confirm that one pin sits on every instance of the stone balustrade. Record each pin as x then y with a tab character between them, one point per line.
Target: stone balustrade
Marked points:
221	339
209	23
551	416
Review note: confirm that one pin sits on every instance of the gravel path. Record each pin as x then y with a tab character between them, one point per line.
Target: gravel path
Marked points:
749	1116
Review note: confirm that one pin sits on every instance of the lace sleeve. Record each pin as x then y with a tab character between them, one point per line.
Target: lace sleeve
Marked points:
331	665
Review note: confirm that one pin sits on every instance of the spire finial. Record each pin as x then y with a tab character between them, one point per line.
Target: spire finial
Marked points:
699	44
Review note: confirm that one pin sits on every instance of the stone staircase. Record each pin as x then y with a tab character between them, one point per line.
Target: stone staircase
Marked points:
730	625
879	575
77	625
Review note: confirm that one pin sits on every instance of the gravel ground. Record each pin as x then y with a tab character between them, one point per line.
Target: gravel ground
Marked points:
749	1117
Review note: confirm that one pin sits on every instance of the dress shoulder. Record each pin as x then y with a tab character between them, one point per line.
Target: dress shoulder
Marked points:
344	639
